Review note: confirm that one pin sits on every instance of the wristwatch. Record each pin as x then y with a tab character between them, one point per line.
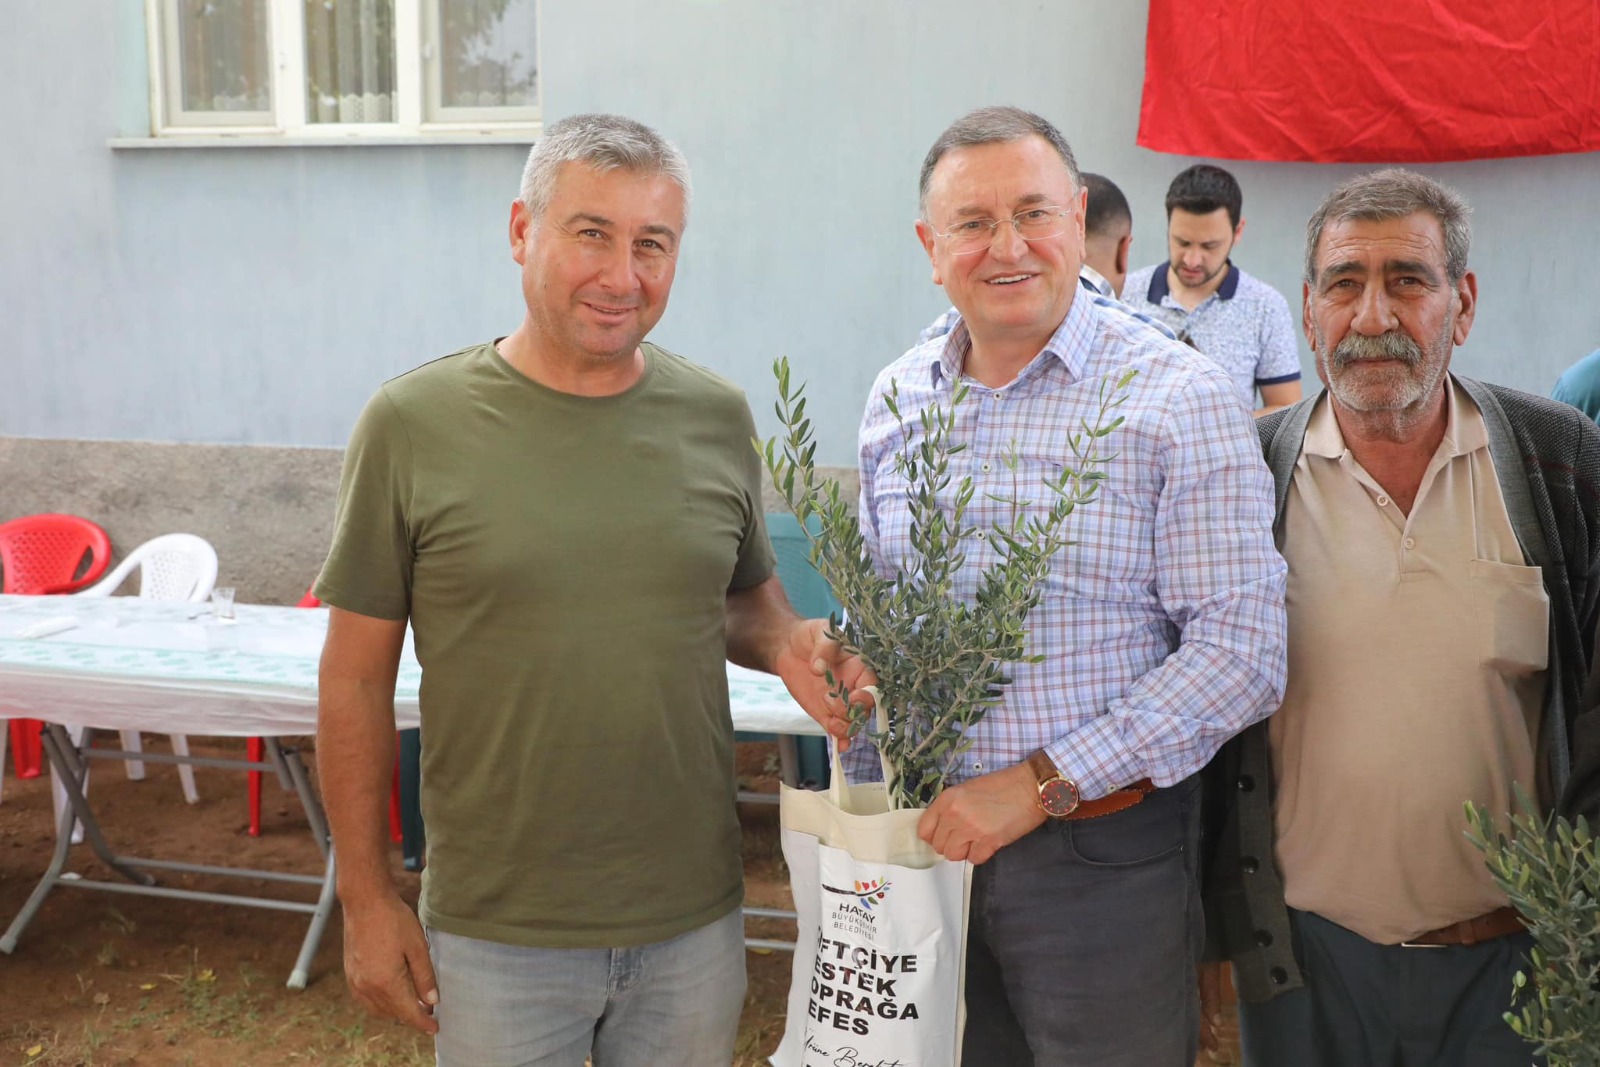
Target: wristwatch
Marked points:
1058	796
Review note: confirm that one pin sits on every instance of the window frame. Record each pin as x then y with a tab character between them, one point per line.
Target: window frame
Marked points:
438	116
168	78
417	73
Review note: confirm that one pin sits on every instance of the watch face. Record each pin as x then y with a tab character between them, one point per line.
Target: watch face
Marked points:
1058	797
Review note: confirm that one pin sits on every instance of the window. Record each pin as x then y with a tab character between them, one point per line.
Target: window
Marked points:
343	68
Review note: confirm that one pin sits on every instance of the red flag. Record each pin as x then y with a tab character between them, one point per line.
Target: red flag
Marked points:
1370	81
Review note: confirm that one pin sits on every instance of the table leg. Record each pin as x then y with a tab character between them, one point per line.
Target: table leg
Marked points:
71	766
275	753
751	911
319	922
788	761
289	763
52	874
70	772
308	799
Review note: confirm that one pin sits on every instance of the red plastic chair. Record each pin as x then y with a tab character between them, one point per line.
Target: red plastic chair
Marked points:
41	554
255	749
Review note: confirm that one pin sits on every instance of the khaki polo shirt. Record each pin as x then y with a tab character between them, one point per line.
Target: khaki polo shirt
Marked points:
1417	652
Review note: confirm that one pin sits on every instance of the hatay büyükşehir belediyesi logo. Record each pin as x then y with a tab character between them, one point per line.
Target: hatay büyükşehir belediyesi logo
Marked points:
867	893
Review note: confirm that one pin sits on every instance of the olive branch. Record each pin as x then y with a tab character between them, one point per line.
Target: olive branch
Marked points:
940	660
1550	868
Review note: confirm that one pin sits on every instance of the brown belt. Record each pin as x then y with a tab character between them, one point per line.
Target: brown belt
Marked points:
1485	927
1111	803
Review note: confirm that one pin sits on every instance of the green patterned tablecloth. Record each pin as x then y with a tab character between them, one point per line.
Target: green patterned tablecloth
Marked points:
138	664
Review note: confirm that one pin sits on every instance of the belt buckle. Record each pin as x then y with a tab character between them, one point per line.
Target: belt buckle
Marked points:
1420	944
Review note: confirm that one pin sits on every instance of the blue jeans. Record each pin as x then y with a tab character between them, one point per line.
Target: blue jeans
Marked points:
671	1004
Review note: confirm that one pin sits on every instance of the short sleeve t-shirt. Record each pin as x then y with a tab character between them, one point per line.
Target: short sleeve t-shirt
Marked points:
564	562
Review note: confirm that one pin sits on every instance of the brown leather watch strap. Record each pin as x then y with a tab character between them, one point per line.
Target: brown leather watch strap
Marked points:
1043	768
1111	803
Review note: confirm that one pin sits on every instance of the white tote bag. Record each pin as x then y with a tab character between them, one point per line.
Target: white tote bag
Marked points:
880	960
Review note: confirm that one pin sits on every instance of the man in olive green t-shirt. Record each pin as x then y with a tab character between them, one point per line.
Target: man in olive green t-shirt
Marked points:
570	520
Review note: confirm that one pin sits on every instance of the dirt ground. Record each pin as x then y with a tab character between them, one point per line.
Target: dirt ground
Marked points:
104	979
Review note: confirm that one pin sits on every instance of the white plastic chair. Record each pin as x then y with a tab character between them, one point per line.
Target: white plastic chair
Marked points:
176	566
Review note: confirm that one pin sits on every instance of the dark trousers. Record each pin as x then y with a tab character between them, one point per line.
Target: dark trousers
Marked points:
1370	1005
1083	941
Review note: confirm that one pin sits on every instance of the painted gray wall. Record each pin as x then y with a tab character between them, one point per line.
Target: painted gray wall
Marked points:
807	122
258	295
225	295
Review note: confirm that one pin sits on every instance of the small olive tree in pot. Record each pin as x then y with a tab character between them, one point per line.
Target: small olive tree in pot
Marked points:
941	660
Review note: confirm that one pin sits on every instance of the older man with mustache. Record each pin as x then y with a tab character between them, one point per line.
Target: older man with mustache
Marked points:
1443	542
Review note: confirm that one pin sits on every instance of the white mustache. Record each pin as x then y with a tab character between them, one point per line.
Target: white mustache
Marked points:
1392	345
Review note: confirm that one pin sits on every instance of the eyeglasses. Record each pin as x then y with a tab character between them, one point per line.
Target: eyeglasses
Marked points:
1034	224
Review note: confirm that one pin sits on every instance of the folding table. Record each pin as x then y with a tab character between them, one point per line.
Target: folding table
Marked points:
129	664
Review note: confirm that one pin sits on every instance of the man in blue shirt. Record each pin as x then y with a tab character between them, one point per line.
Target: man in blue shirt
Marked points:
1238	320
1160	632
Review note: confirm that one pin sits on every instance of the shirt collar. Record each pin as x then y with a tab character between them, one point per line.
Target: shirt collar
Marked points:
1464	433
1159	288
1070	344
1094	281
1322	431
1230	284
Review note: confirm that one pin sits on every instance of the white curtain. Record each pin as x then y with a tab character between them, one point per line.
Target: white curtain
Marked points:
222	55
349	60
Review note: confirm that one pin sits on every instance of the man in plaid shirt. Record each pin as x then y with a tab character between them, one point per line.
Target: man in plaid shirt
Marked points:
1162	628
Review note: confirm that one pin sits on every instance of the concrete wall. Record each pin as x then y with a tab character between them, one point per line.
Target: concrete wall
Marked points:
256	296
267	510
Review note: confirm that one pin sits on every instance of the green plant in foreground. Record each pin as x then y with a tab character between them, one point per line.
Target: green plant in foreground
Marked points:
1550	868
940	660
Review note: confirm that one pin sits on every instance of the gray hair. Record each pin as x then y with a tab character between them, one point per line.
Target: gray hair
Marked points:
994	125
1394	193
604	142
